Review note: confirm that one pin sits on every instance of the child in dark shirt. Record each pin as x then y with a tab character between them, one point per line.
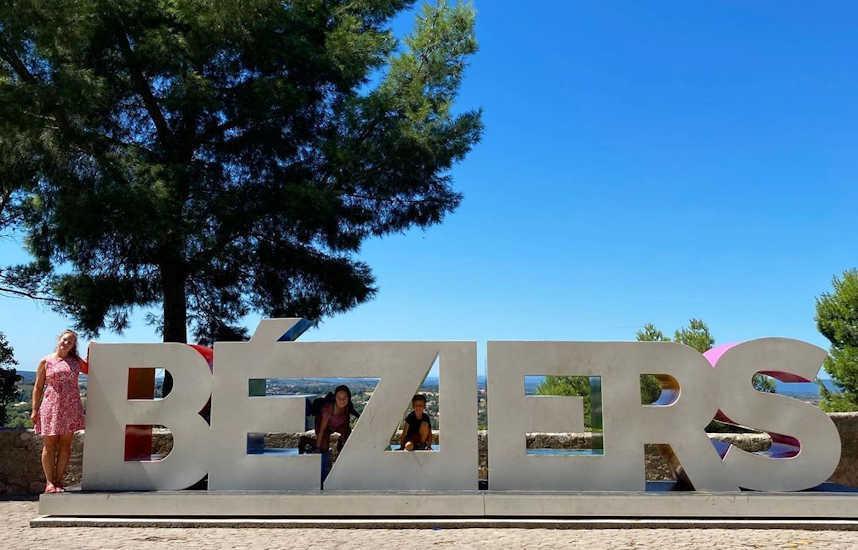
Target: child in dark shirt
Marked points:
417	435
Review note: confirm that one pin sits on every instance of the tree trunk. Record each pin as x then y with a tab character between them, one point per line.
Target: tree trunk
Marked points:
175	303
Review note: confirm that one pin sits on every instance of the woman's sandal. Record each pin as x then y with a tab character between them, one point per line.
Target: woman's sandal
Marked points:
50	488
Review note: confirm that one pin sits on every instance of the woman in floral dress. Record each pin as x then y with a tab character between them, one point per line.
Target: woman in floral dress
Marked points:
57	410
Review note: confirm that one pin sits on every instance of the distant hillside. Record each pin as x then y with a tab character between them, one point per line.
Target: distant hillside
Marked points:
800	389
27	376
793	389
805	390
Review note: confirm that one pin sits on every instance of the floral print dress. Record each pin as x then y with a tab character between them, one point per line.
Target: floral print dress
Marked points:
61	411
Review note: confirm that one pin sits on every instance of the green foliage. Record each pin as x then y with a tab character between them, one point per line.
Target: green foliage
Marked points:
9	378
650	386
219	158
570	386
650	389
18	417
7	354
763	383
649	333
837	320
695	335
836	402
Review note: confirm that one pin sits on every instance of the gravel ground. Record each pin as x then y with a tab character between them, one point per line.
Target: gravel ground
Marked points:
15	533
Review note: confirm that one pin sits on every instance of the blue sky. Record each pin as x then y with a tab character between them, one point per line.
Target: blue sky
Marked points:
642	162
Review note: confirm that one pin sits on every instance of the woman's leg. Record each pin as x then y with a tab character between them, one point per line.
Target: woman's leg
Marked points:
425	435
323	441
326	466
49	460
420	441
63	455
344	436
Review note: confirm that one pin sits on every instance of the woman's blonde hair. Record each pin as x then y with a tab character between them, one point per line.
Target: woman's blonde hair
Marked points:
73	351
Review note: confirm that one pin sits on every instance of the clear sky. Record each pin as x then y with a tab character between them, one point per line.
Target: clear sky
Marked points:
642	162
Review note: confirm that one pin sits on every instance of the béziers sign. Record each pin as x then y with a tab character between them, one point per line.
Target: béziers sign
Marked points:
219	450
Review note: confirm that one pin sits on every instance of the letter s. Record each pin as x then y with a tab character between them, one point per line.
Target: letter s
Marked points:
819	439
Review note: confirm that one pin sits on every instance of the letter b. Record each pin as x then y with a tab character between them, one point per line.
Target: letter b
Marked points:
109	411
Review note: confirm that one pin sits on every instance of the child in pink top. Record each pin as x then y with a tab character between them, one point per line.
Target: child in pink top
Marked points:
334	417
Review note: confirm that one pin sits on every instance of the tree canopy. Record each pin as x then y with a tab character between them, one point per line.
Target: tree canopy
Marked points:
837	320
650	386
695	335
649	333
219	158
9	378
571	386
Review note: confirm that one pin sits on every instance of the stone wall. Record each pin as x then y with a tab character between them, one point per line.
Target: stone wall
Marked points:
21	466
21	470
847	471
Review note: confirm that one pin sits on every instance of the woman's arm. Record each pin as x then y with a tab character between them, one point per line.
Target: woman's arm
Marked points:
84	363
323	425
402	437
38	390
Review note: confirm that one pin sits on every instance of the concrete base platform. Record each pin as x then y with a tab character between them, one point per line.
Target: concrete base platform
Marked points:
446	523
330	506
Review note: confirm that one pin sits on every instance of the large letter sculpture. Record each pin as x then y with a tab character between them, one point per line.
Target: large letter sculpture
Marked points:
238	412
364	462
109	412
628	424
816	434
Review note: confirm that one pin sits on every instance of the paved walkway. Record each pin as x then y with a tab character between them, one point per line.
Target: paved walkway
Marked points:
15	533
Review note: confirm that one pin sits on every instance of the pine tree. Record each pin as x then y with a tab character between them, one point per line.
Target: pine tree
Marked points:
837	320
219	158
650	386
9	378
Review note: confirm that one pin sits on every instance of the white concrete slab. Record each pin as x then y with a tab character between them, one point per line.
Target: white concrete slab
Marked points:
465	504
262	504
672	505
446	523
